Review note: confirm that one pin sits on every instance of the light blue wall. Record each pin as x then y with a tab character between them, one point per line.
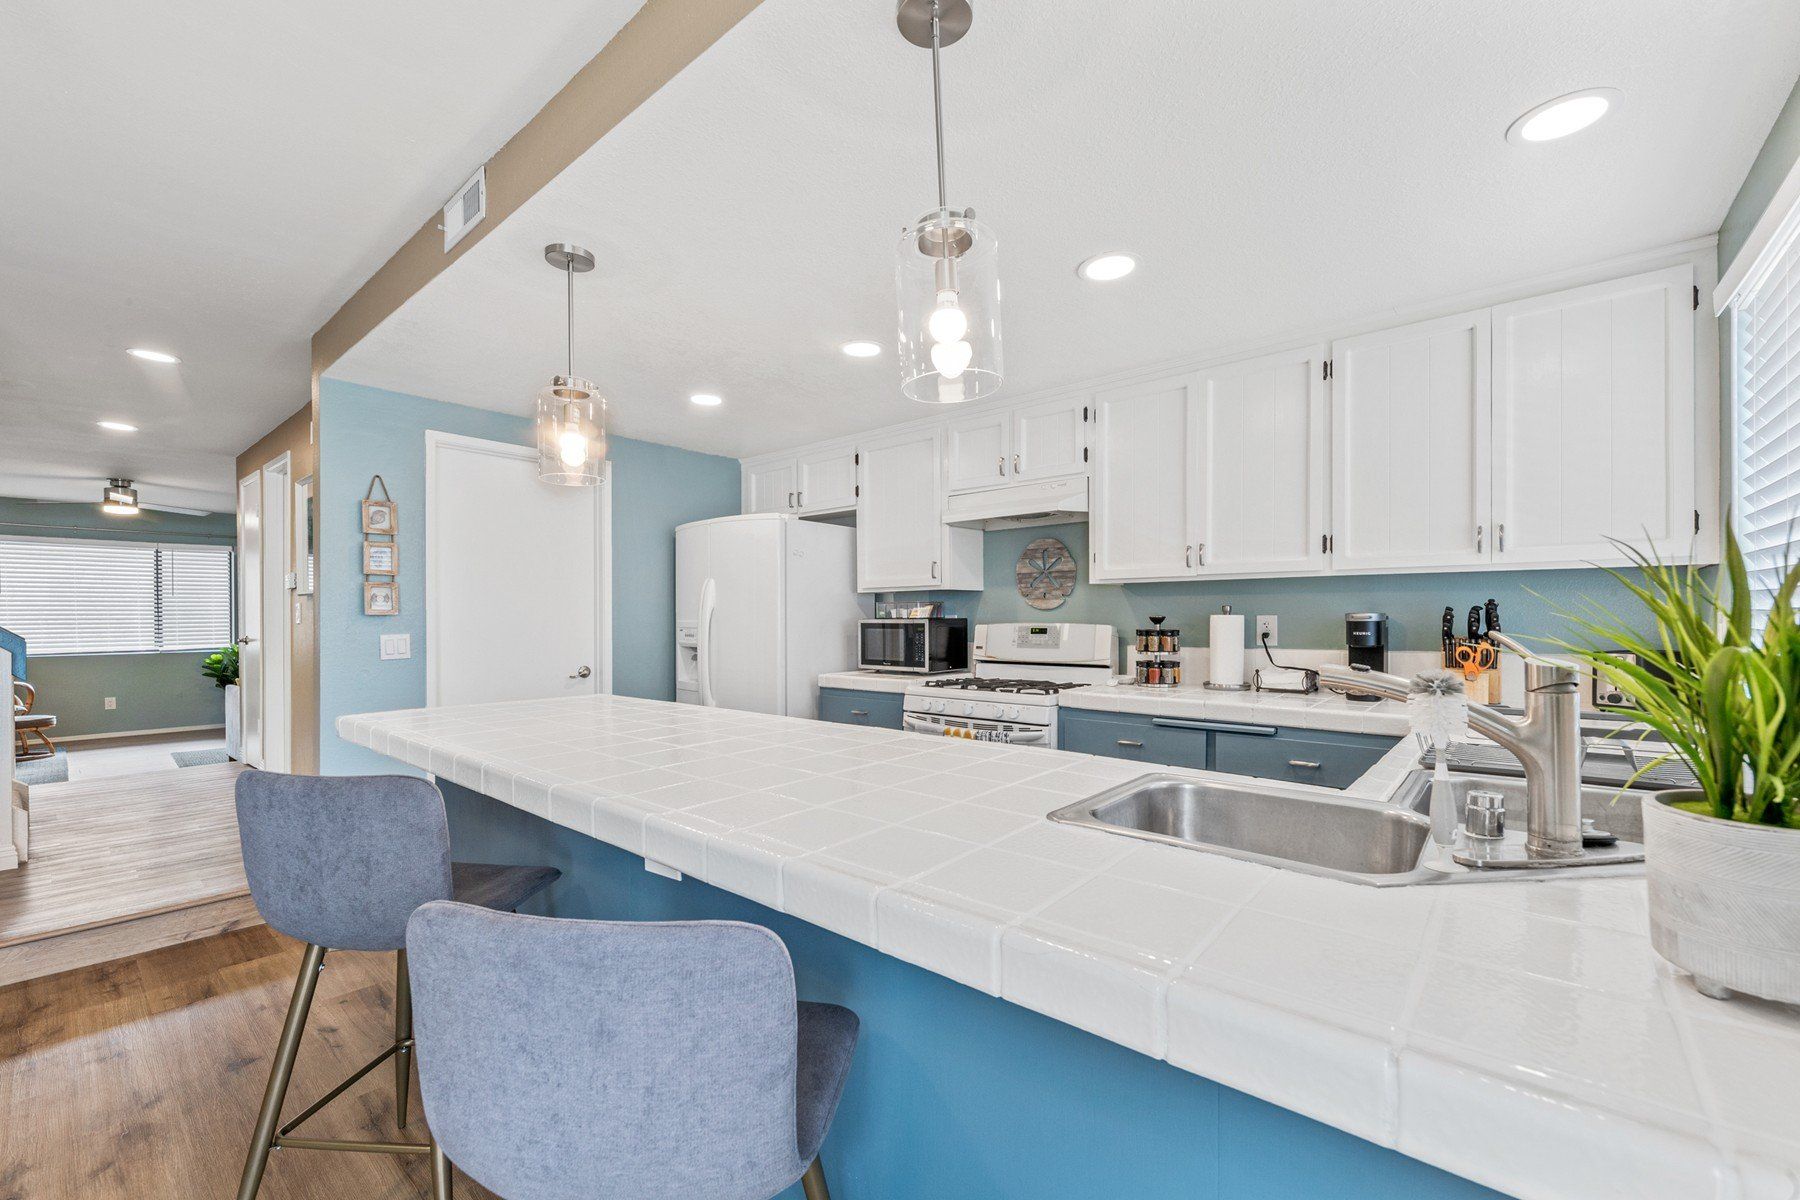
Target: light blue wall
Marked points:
1772	165
1311	610
366	431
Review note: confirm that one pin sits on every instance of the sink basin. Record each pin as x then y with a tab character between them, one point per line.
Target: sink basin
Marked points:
1358	841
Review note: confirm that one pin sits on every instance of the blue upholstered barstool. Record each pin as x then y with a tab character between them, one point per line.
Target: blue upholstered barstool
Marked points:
604	1058
340	864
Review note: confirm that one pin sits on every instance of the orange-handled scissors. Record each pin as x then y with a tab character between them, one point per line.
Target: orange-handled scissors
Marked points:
1472	658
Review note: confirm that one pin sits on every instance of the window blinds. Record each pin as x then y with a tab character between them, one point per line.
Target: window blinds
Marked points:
1766	337
103	597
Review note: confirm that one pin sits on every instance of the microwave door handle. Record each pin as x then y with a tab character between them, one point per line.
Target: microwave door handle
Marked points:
709	597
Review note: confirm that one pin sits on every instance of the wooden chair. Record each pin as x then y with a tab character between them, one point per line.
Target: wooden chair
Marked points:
31	738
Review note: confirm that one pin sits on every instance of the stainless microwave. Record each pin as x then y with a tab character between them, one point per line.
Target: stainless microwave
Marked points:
914	645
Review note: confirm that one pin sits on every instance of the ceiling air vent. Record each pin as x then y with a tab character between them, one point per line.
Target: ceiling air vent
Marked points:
465	209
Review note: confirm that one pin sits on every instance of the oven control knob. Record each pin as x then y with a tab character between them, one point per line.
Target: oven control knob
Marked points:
1012	714
968	710
937	706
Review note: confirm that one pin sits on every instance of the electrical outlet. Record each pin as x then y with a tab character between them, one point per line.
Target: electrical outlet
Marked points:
112	702
1268	627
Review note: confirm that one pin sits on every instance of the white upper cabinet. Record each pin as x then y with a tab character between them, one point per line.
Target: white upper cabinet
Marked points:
1261	469
980	450
1594	431
1050	439
1141	487
825	480
1411	446
1038	441
771	487
901	539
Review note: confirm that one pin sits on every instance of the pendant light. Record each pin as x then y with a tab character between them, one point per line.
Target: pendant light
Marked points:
948	263
119	499
571	415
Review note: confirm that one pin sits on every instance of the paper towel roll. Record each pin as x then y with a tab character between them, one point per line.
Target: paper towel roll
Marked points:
1225	642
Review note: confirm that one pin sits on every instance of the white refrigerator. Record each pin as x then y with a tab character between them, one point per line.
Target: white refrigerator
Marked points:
764	604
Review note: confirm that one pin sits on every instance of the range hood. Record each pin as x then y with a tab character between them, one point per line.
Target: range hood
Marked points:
1019	505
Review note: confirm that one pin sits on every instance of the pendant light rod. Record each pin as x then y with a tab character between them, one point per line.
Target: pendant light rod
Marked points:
571	260
937	96
569	319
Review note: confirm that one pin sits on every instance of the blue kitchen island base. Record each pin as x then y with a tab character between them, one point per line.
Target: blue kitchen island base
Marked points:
958	1094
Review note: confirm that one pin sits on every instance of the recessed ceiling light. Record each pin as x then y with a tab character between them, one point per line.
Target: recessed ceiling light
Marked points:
1104	268
861	349
117	426
155	356
1564	115
706	399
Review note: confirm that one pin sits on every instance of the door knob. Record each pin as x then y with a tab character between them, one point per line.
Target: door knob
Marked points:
582	674
245	640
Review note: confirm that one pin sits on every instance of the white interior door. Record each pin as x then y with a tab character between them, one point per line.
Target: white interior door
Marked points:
274	528
517	577
249	616
1262	474
1594	421
1411	435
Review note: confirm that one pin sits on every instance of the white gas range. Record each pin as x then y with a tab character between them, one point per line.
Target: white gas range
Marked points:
1019	670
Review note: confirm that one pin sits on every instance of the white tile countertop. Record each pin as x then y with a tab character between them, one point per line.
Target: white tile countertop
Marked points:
1520	1034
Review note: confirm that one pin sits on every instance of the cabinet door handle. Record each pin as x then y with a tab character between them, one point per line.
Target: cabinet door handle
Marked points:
1303	764
1500	537
859	712
1001	462
1479	530
1131	745
799	499
790	499
934	568
1187	557
1015	464
1202	549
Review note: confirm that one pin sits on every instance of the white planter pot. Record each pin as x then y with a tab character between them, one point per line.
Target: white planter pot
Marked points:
1724	899
233	723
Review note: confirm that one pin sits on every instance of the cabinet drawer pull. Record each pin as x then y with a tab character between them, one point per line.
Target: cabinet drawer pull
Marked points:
1002	461
1015	464
1303	764
1127	742
859	712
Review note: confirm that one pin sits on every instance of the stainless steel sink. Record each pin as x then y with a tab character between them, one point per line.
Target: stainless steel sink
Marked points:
1358	841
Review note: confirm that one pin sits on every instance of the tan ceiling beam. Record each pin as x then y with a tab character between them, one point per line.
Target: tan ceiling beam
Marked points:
652	48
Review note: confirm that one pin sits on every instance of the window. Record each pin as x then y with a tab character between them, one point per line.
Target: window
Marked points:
1766	343
104	597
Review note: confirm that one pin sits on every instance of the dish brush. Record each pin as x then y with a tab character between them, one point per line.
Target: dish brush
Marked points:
1438	709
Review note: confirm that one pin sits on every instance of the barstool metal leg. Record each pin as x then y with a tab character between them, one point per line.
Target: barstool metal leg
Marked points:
813	1182
281	1071
441	1184
402	1036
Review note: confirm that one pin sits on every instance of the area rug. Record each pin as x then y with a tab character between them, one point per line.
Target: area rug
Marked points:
54	769
199	758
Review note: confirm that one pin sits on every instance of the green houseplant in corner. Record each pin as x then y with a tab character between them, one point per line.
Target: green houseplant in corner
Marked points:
1723	688
221	666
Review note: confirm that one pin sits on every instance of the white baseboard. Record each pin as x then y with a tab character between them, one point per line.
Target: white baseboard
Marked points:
128	733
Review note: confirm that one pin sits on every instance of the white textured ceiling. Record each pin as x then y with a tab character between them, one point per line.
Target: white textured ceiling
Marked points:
215	178
1281	168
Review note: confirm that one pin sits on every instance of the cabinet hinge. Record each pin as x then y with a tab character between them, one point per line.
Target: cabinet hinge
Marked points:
1696	520
1094	557
1084	451
857	492
858	458
1325	369
1084	414
1696	297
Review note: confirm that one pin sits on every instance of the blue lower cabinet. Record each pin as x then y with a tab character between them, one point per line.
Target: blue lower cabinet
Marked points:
879	709
1319	757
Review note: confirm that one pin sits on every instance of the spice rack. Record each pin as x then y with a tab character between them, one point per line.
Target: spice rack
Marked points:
1158	656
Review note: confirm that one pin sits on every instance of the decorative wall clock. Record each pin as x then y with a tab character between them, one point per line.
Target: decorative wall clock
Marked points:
1046	573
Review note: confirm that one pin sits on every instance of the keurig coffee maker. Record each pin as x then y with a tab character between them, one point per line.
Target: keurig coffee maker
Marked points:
1366	636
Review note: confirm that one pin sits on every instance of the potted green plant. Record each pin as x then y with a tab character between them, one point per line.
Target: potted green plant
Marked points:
1723	858
221	666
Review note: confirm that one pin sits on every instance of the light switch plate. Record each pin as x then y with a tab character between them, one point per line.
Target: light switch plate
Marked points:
396	645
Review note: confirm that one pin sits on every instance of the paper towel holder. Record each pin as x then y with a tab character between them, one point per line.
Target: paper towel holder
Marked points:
1212	652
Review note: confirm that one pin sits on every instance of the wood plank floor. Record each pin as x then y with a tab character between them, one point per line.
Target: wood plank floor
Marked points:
105	850
140	1078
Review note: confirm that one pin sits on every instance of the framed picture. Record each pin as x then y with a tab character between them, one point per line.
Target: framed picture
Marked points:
378	516
381	558
381	599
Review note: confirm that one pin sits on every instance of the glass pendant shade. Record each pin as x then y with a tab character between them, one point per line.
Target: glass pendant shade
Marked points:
571	432
948	274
